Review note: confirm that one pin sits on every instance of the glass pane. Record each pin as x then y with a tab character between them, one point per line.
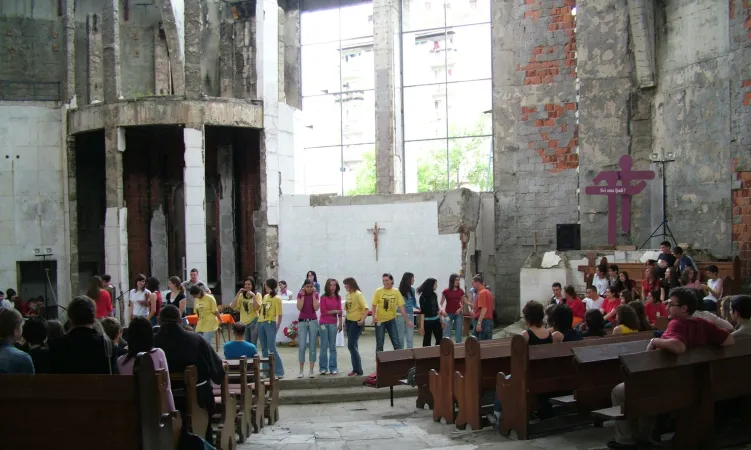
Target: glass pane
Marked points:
424	57
357	21
469	161
323	170
319	26
358	117
460	12
357	64
322	115
470	104
424	112
422	14
425	166
468	53
359	169
320	68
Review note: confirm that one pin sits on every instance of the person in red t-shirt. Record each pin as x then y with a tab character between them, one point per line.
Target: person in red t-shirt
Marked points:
452	302
576	304
609	305
100	296
654	308
483	324
683	332
650	282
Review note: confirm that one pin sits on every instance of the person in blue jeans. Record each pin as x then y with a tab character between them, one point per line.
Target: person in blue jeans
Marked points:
331	325
239	347
406	336
453	301
269	318
356	310
387	302
483	323
308	304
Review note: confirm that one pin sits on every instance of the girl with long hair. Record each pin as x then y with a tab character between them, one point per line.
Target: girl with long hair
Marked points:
638	308
452	302
155	299
331	325
625	283
176	295
406	334
626	320
100	296
138	299
313	278
576	304
430	312
669	282
595	324
654	308
248	302
269	319
141	340
307	326
609	305
356	311
689	278
650	281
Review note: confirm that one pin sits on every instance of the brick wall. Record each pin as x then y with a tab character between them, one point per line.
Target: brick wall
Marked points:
742	221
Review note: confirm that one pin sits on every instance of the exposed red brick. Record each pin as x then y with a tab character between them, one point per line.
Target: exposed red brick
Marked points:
747	99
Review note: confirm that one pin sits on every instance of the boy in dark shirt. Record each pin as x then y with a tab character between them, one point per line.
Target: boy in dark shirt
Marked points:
114	331
239	347
34	336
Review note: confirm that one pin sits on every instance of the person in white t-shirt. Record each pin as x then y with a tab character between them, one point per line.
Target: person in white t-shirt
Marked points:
138	299
284	293
593	300
600	280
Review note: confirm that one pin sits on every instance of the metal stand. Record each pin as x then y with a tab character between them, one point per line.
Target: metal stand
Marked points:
666	232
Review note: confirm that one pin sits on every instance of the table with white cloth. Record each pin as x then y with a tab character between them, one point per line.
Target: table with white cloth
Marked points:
289	315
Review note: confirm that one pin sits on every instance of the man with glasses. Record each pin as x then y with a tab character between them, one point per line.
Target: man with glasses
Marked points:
683	332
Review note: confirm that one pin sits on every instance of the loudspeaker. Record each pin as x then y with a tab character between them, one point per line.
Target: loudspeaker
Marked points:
568	236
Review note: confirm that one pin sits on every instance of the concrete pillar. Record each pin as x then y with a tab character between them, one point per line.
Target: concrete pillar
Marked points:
193	31
111	51
159	247
194	179
389	148
227	222
69	47
95	74
116	216
280	44
245	78
173	23
162	75
72	214
292	55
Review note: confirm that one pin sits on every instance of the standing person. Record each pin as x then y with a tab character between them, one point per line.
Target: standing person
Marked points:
34	335
452	303
155	299
430	312
248	302
308	304
406	336
141	340
654	308
712	288
100	296
176	296
331	324
269	319
600	280
313	278
208	314
12	360
386	302
483	325
194	281
107	285
138	298
284	293
357	311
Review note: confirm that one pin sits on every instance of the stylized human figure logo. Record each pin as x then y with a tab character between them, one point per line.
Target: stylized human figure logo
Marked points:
625	189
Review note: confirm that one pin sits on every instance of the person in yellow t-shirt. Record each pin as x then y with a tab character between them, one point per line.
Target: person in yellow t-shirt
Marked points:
357	311
248	302
386	302
269	319
208	314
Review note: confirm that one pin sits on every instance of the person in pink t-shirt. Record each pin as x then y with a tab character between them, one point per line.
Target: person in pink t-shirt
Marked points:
331	324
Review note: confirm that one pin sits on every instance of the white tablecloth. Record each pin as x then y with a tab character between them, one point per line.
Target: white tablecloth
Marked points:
289	315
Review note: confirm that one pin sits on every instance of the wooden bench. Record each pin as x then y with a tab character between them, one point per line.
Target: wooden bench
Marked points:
543	369
392	368
223	421
245	379
688	386
88	412
195	417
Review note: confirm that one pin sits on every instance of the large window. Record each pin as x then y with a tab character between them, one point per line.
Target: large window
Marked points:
338	100
446	55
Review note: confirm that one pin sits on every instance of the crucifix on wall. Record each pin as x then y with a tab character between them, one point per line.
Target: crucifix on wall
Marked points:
376	230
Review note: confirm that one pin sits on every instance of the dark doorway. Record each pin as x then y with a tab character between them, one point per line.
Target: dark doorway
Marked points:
38	279
90	204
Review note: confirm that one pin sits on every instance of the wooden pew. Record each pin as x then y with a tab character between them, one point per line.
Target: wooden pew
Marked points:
271	389
248	384
238	386
196	418
392	367
87	412
542	369
223	421
688	386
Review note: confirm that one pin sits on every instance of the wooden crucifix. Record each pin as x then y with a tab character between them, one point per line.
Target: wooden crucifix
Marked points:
376	230
591	268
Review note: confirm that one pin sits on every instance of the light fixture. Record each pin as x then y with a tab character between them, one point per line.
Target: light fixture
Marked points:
37	251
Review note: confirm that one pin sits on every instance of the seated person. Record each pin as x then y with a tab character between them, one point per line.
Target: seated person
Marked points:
626	320
712	288
54	330
34	336
12	360
239	347
665	259
563	319
683	332
114	331
740	307
536	333
593	300
594	324
638	308
612	300
576	304
83	350
557	295
549	316
654	308
707	315
142	341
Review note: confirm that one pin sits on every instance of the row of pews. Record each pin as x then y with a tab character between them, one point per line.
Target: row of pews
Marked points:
460	382
91	412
